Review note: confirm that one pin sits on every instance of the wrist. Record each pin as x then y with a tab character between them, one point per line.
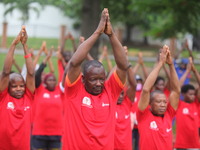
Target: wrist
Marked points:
27	55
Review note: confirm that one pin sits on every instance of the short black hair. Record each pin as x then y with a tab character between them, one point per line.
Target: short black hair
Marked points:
158	79
89	63
185	88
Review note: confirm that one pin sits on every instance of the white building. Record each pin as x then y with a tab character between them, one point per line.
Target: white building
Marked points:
46	25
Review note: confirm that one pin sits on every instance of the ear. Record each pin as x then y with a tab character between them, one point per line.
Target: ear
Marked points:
83	79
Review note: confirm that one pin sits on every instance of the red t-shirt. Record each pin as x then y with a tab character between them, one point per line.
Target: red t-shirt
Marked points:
90	119
155	132
187	126
15	121
47	112
123	132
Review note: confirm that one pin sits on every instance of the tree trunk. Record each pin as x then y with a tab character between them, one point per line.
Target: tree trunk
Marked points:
90	20
145	40
128	33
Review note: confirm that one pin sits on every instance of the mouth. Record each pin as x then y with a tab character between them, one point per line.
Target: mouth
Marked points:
98	89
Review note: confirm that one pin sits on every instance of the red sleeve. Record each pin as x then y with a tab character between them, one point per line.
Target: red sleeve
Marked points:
141	115
171	110
3	93
29	94
115	84
71	89
60	70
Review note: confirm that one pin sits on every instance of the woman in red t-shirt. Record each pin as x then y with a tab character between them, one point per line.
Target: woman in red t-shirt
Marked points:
16	97
47	111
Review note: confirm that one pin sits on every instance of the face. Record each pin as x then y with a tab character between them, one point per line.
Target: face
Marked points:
158	104
121	98
189	96
160	85
67	55
16	87
50	83
94	80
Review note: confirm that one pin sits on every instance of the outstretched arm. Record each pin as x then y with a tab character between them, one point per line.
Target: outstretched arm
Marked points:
4	77
118	51
145	95
75	62
174	82
35	61
30	78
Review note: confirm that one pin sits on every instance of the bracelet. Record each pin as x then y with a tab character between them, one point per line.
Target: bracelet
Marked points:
27	56
129	66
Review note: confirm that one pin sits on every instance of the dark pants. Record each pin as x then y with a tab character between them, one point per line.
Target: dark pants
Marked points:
135	139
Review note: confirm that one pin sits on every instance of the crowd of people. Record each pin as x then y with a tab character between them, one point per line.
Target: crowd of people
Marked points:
89	107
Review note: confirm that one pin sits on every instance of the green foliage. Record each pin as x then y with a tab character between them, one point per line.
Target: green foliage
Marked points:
171	17
24	6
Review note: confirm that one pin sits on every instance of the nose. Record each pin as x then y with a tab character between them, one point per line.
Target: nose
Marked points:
98	82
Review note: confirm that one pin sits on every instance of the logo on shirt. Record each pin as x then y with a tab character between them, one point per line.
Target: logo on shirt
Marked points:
103	104
46	95
153	126
87	102
126	116
168	130
57	96
10	105
185	111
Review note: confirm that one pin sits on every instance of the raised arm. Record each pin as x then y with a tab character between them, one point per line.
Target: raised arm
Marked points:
4	77
51	68
75	62
145	95
30	78
195	71
35	61
38	74
141	62
174	82
131	84
118	51
184	76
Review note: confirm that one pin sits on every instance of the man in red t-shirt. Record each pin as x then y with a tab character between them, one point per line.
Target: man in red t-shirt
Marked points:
90	98
154	114
187	120
16	97
123	131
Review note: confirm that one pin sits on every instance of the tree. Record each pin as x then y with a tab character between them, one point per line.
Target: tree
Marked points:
24	6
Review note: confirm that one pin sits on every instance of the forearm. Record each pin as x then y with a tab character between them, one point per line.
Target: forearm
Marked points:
28	60
38	75
196	73
83	50
174	82
119	53
8	60
152	77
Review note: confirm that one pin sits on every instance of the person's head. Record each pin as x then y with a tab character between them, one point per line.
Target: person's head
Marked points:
67	55
50	81
158	102
94	76
159	83
120	98
16	87
139	82
183	64
188	92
